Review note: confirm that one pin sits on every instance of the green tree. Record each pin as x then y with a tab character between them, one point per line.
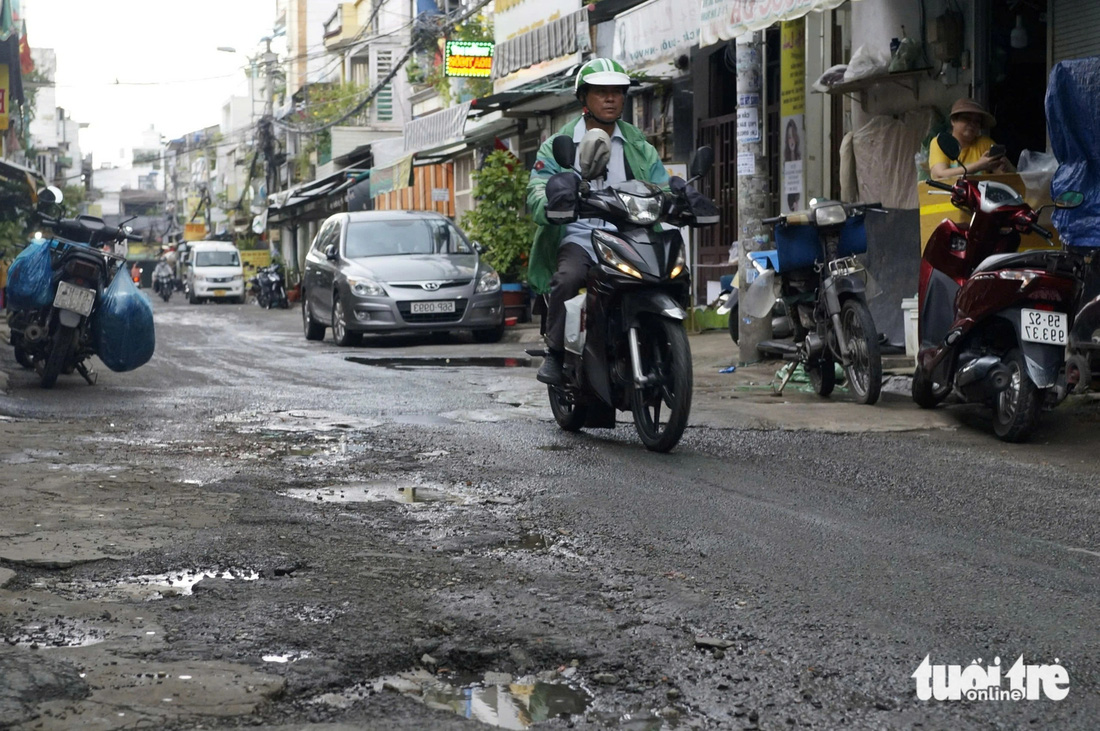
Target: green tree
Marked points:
499	219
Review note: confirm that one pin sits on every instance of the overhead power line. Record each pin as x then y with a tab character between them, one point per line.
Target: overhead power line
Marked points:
422	30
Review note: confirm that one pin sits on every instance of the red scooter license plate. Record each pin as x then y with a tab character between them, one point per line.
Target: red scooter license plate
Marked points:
1044	327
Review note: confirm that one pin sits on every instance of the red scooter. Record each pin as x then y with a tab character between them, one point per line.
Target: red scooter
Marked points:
993	321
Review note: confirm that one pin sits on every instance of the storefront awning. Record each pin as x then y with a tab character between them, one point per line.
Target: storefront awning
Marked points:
723	20
445	127
561	37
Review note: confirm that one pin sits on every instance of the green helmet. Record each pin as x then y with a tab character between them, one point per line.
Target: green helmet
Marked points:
600	72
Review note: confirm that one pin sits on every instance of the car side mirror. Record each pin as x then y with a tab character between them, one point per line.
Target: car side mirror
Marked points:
701	162
331	253
565	151
479	247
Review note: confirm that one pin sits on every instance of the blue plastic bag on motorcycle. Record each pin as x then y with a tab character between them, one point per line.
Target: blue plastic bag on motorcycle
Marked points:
122	326
30	278
1073	121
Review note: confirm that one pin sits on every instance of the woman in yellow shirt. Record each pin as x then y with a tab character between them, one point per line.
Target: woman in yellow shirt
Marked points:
967	120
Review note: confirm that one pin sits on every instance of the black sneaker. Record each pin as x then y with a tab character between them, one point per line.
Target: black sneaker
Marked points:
551	370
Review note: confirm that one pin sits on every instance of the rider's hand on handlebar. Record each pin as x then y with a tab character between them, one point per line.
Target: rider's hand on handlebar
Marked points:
562	197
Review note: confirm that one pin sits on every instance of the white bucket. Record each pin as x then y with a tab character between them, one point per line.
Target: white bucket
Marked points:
909	310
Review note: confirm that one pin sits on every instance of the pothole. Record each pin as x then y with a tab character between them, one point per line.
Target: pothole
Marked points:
58	632
295	421
495	699
146	587
377	492
286	657
429	361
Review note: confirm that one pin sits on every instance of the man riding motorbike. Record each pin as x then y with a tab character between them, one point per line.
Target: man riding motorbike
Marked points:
162	270
562	253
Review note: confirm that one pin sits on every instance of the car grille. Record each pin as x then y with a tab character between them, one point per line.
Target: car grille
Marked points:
405	308
417	285
219	280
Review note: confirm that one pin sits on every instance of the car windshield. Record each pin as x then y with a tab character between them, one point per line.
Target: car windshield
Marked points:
217	259
396	237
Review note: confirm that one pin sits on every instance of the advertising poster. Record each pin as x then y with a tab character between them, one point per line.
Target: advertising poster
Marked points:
792	114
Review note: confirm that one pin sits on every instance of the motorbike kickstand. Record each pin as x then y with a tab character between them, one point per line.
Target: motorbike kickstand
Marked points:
787	371
89	375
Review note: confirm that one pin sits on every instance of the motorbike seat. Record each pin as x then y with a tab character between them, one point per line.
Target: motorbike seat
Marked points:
1037	259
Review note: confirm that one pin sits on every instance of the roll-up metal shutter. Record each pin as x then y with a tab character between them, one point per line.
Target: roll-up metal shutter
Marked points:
1076	29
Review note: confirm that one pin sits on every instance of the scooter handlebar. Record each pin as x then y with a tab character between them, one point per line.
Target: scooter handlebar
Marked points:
941	186
1042	231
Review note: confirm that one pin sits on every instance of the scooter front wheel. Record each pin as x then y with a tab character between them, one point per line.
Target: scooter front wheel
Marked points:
926	393
1016	409
864	369
568	412
666	361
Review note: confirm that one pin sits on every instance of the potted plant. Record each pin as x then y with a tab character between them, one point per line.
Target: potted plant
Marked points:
500	222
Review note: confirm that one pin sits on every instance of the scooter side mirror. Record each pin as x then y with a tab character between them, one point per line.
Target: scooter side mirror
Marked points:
1069	199
949	145
565	151
702	162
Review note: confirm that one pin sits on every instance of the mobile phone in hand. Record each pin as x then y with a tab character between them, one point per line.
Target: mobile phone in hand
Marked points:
997	151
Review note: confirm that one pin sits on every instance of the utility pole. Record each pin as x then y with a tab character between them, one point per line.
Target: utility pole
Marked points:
752	182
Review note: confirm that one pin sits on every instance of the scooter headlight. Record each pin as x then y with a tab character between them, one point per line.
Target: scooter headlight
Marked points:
830	215
641	210
611	258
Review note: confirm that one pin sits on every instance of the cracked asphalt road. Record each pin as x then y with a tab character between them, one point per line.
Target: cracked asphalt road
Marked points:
253	530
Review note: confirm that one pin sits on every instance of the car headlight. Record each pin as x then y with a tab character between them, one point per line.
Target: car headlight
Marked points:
609	257
641	210
830	215
681	264
200	278
236	278
366	287
489	282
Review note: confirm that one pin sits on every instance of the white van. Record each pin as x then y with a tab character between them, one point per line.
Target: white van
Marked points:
213	271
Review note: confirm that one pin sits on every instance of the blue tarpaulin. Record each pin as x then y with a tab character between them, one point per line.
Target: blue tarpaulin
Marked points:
1073	122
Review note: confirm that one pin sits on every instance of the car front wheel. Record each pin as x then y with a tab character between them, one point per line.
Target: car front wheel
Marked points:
340	334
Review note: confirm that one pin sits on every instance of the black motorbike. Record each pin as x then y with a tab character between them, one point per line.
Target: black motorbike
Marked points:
824	297
628	350
57	338
269	288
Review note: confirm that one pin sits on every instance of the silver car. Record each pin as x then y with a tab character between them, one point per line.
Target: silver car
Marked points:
397	272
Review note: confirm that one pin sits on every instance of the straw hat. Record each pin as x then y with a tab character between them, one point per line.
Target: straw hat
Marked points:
969	106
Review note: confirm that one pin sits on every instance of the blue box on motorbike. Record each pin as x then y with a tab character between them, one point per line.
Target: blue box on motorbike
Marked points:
798	247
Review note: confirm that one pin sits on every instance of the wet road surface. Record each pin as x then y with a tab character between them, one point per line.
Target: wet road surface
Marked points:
262	529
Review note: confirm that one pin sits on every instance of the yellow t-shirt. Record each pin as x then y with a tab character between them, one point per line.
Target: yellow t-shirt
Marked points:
969	154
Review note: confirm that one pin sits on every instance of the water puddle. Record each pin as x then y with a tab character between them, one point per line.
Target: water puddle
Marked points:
530	542
147	587
286	657
372	492
495	699
428	361
59	632
295	421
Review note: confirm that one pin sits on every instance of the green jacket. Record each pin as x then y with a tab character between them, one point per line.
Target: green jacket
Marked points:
645	164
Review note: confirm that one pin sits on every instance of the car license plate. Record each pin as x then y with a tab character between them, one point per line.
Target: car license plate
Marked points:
1045	327
73	298
433	308
219	292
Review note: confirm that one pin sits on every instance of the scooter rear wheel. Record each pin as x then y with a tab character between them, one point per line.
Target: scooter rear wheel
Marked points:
59	352
926	393
666	357
1016	409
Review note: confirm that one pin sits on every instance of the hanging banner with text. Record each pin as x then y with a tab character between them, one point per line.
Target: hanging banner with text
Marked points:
792	112
469	59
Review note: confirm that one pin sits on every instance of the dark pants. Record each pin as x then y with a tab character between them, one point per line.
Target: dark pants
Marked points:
573	265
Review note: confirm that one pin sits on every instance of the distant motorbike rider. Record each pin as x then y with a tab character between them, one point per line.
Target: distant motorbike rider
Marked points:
163	270
562	254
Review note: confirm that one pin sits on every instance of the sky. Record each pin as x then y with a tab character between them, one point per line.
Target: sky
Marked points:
123	65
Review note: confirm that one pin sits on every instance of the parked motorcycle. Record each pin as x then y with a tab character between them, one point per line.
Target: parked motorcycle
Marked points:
728	302
267	285
823	292
626	345
56	338
993	321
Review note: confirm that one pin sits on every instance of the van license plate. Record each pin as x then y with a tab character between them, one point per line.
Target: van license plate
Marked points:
73	298
1040	326
219	292
432	308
